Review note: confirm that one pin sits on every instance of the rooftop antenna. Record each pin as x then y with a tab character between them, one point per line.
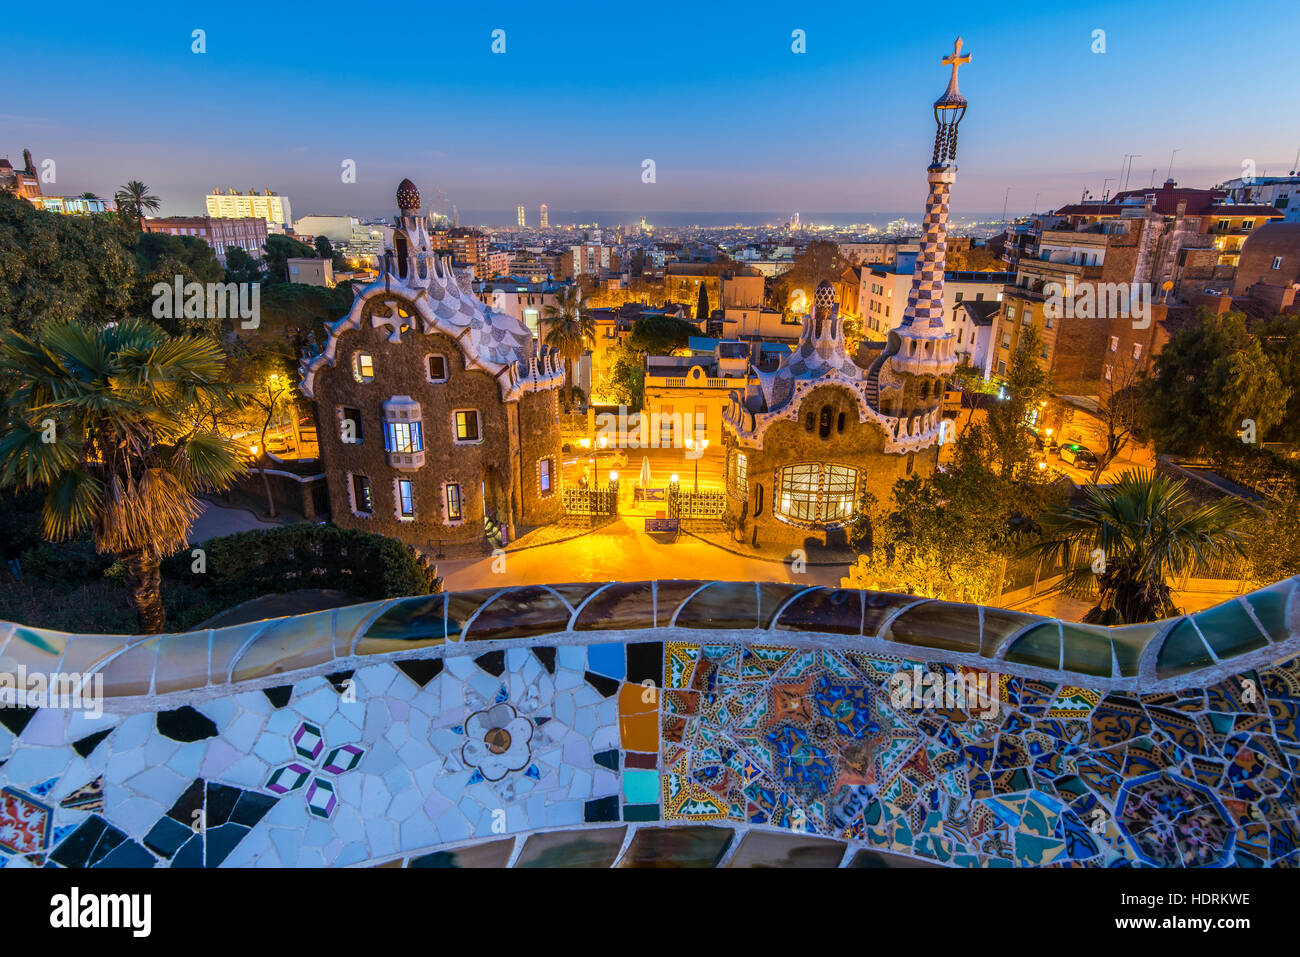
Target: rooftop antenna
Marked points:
1004	204
1171	163
1036	195
1105	191
1130	157
1153	178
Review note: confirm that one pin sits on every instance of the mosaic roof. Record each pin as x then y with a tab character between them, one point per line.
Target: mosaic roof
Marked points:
680	722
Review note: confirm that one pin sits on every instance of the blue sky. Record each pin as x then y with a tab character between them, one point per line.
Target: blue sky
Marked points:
585	91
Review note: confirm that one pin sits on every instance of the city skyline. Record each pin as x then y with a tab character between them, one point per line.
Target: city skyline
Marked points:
703	100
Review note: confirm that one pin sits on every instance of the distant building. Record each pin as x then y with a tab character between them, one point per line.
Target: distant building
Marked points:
269	206
337	229
21	182
248	234
974	323
519	215
311	271
589	259
1280	192
72	205
546	222
686	396
520	299
1269	267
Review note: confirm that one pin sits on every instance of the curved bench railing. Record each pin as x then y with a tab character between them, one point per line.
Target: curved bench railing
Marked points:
1240	633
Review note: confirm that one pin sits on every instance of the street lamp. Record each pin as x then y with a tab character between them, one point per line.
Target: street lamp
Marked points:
690	446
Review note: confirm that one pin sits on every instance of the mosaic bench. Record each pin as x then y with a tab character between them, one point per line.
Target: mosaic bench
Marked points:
669	723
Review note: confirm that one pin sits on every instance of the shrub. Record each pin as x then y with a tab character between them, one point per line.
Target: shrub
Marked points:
292	557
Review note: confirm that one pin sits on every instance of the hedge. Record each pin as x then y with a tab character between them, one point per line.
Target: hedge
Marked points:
251	564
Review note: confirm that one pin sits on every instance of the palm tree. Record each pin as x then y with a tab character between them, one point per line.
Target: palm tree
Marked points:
568	330
1131	538
105	419
132	201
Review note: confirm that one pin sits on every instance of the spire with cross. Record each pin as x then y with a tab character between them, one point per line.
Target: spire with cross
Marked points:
955	59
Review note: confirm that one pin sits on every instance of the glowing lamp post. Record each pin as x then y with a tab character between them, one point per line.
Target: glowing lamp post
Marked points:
691	445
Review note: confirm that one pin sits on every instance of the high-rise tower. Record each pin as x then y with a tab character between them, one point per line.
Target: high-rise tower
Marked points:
545	211
519	213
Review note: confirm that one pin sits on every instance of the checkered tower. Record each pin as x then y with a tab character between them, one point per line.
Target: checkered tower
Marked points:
925	299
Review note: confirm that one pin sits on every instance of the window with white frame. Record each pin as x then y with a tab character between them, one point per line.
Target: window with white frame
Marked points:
544	467
437	368
467	426
405	500
363	367
455	505
1277	262
362	502
403	437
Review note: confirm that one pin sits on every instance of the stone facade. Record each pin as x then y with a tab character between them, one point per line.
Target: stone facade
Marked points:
438	419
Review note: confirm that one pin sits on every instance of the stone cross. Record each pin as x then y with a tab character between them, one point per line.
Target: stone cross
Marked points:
955	60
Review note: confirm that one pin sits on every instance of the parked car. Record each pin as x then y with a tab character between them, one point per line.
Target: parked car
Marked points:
1076	454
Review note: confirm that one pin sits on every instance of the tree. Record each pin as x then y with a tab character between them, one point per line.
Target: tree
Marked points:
279	250
104	420
323	248
1120	408
702	312
270	392
946	536
659	335
1209	379
241	267
58	268
819	260
1126	541
565	328
133	201
624	382
1272	539
1025	387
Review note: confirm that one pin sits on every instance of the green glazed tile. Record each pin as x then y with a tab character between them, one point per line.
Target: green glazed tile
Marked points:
1229	630
1182	651
1039	646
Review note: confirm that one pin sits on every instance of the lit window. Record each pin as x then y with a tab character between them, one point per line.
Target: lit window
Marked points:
405	499
437	368
1114	343
544	475
1277	262
823	494
361	501
363	367
403	437
467	426
741	473
454	510
1137	350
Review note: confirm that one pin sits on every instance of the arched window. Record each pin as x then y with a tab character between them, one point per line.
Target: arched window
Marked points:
839	424
824	422
809	421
